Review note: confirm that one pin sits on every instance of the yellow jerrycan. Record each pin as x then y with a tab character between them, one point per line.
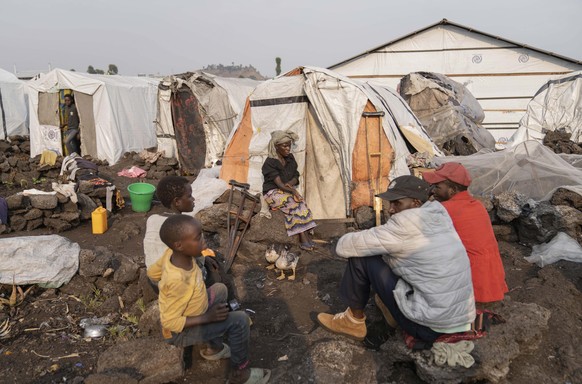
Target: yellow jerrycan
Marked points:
99	220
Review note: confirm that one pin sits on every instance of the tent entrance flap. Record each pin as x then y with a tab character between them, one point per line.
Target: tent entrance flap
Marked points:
321	175
189	130
84	104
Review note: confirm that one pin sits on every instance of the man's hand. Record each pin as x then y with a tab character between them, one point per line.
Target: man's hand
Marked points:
210	263
217	313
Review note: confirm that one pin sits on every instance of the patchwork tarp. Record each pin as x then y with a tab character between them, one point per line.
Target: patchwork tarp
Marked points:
197	112
13	106
336	146
556	106
116	113
448	111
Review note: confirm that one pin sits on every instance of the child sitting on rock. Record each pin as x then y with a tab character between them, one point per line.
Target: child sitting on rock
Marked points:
191	314
175	193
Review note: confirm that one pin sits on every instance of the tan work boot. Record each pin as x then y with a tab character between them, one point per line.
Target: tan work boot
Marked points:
344	323
386	312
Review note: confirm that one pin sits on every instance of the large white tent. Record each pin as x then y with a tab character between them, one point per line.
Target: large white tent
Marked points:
502	74
343	125
117	113
13	106
197	112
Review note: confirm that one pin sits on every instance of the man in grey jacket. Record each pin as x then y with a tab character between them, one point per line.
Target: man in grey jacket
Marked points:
425	281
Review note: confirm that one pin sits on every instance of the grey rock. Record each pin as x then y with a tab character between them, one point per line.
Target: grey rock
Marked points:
149	322
130	295
340	361
505	233
127	271
213	218
34	213
44	201
250	251
71	217
34	224
128	230
570	221
541	223
15	201
94	262
269	230
113	377
509	205
145	288
17	223
69	206
365	217
57	225
520	335
5	228
153	359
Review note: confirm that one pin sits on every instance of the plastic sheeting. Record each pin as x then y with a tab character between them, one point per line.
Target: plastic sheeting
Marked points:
528	168
556	106
13	106
121	119
221	100
561	247
48	260
207	188
308	99
448	111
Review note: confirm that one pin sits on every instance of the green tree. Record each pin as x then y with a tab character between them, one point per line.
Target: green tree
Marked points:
278	67
99	72
112	69
90	69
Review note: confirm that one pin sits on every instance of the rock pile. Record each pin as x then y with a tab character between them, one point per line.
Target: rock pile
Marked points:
560	142
155	166
517	218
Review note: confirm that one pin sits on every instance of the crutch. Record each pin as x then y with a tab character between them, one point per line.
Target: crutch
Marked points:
235	217
375	184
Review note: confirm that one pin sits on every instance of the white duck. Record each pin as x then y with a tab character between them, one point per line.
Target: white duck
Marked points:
280	258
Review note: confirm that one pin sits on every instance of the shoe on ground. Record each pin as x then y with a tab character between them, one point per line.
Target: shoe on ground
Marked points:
344	323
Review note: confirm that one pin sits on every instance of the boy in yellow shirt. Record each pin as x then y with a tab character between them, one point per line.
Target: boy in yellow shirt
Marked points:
191	314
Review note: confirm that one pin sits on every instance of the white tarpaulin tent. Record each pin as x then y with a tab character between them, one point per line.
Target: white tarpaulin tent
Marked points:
333	152
191	99
556	106
13	106
116	113
502	74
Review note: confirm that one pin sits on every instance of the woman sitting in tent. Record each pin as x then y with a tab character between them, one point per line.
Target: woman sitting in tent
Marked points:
279	187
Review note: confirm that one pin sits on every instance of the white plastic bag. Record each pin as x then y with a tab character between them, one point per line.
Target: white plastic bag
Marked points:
561	247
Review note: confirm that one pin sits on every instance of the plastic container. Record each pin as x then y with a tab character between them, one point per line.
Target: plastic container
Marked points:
99	220
141	195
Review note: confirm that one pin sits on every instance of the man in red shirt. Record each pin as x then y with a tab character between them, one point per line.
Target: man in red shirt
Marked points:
473	225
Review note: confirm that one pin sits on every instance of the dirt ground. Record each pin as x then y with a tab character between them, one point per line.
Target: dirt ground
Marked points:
46	344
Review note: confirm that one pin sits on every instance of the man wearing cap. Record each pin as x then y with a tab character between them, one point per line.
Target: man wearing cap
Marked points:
473	225
426	280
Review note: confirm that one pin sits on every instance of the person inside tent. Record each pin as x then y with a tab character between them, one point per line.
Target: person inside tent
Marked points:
471	220
425	282
72	142
281	179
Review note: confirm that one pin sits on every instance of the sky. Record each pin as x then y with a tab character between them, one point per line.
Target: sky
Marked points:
174	36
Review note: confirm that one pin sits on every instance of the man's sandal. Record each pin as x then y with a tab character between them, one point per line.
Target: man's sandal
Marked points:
223	354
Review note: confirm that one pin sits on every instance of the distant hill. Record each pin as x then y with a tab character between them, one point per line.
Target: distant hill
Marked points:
249	71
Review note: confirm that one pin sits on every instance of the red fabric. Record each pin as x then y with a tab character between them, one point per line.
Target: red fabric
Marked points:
473	225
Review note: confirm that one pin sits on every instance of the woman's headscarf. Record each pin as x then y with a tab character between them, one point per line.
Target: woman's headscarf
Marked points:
279	137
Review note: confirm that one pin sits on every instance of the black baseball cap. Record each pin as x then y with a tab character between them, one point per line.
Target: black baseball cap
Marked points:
406	186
